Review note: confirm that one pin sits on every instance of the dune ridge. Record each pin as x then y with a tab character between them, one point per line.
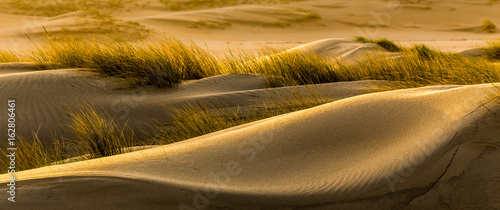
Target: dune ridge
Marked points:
46	97
433	147
340	49
360	151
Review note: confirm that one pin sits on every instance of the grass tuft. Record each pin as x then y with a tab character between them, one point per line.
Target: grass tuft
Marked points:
388	45
98	137
168	62
383	42
28	155
293	68
488	27
96	134
362	39
176	5
493	52
196	120
424	53
7	56
162	63
32	154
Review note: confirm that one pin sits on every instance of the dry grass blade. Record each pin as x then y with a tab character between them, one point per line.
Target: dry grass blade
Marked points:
7	56
97	135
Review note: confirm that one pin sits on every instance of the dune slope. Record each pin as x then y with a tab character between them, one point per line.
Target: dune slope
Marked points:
380	150
44	98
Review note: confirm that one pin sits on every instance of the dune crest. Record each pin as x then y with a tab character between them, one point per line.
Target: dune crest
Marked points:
50	95
346	50
378	150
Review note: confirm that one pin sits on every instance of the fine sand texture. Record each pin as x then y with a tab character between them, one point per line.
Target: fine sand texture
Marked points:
48	97
449	25
434	147
417	148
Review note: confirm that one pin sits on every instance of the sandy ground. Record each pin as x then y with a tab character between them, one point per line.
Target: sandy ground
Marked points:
450	25
416	148
427	148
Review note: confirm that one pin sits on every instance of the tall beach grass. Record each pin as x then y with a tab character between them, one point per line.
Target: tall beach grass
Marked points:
162	63
194	120
97	135
7	56
167	62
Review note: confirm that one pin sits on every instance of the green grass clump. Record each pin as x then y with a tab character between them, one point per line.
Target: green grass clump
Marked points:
488	27
424	53
196	4
383	42
96	135
196	120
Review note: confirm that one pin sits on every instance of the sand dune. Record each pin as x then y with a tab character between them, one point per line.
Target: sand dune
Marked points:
46	97
221	18
346	50
78	24
309	20
381	150
425	148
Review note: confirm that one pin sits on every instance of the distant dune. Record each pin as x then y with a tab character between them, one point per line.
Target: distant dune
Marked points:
437	22
51	95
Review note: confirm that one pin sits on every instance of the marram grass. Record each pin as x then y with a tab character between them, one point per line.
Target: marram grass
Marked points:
167	62
493	52
97	135
194	120
32	154
163	63
7	56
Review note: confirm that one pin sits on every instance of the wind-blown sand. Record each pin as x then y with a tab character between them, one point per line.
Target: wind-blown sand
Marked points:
416	148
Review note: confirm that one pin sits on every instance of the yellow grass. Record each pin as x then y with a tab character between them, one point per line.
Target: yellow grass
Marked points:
195	120
167	62
7	56
97	134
